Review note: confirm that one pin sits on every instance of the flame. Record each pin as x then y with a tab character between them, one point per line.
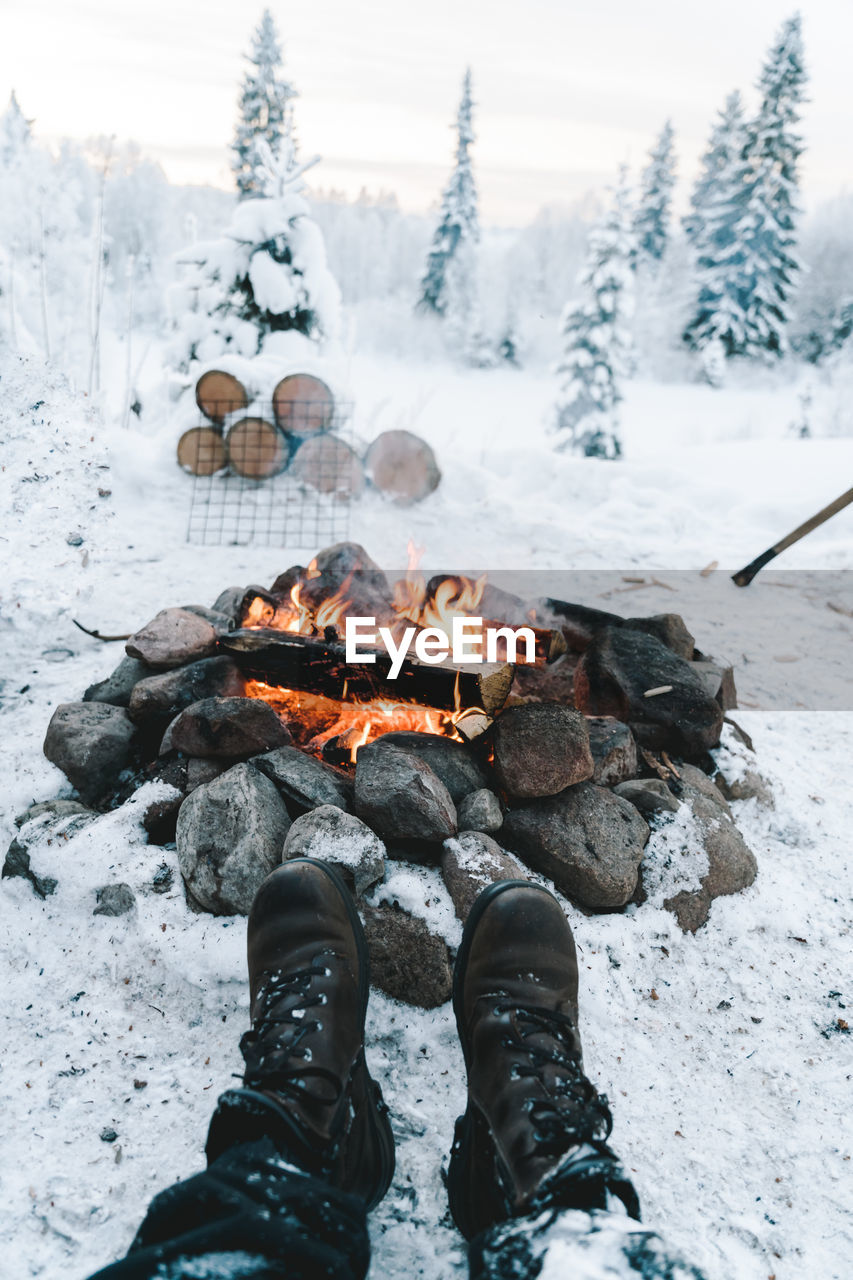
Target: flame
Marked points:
314	720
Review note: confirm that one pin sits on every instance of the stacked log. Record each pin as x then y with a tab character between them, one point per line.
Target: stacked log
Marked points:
201	451
257	449
303	405
402	466
219	394
329	465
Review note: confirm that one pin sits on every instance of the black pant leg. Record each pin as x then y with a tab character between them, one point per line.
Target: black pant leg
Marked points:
256	1218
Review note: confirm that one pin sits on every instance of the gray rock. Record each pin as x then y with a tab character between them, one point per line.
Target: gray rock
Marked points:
90	742
718	681
406	960
229	728
304	781
480	811
114	900
589	841
470	863
331	835
55	809
750	785
614	751
160	816
202	769
221	622
158	699
118	687
230	835
162	879
649	795
540	749
400	797
229	602
17	863
669	628
731	863
171	639
452	762
622	666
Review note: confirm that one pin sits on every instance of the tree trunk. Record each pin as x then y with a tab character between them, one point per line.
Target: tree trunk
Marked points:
256	448
201	451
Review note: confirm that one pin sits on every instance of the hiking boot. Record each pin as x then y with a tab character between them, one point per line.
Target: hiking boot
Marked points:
533	1135
306	1083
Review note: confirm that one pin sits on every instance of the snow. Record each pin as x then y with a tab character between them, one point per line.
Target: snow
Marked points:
723	1054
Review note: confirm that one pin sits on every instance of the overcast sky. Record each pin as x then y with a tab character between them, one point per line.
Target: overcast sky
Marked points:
565	91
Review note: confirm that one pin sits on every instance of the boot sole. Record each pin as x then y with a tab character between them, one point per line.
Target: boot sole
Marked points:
378	1111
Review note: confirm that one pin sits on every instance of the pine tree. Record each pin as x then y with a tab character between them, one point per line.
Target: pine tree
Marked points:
652	221
265	275
725	150
597	340
265	108
746	241
718	326
15	131
449	279
768	228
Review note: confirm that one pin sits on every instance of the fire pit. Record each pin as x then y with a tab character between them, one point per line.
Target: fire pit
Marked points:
564	739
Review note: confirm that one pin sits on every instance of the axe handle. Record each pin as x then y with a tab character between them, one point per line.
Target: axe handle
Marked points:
744	576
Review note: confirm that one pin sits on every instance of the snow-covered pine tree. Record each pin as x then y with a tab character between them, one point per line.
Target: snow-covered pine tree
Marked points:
718	326
265	108
652	218
725	149
445	287
15	131
746	245
768	229
597	338
266	274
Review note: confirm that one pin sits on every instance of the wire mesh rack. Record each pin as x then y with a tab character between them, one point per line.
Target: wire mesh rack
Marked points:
261	481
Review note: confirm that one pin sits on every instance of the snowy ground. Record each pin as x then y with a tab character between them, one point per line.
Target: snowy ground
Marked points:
723	1054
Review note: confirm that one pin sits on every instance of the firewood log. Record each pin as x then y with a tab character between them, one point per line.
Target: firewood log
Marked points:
402	466
328	464
218	394
303	405
313	664
201	451
256	448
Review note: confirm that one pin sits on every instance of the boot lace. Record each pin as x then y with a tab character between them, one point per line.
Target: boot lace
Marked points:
277	1051
572	1111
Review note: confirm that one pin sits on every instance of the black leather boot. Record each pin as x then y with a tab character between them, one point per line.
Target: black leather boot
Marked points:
306	1084
533	1135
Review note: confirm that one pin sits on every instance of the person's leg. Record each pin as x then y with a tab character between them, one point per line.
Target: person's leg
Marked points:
532	1183
300	1153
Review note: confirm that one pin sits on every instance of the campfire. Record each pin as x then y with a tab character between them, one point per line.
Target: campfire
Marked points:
440	721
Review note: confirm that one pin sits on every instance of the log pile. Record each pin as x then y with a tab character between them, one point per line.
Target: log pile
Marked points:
294	433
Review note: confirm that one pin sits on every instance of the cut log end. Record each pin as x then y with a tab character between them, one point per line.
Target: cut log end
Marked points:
303	405
328	464
256	448
201	451
402	466
219	394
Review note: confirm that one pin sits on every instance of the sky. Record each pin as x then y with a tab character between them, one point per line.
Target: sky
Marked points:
565	91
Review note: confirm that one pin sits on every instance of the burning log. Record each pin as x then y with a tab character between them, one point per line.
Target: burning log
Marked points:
201	451
318	665
303	405
218	394
256	448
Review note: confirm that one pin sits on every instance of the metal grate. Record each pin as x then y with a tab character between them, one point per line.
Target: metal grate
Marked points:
256	484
